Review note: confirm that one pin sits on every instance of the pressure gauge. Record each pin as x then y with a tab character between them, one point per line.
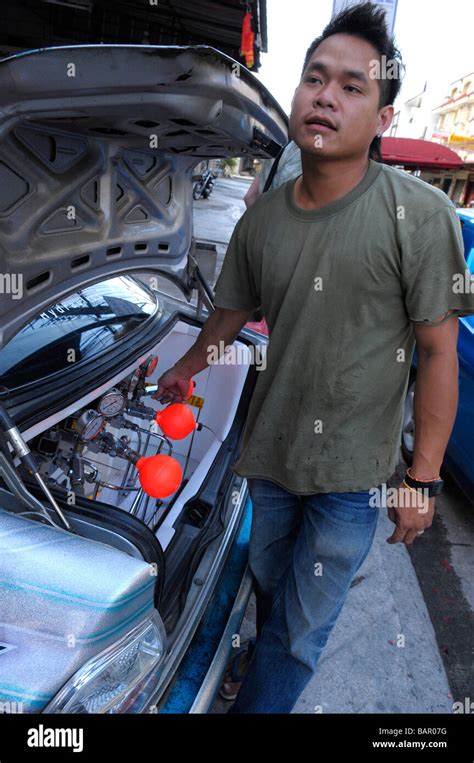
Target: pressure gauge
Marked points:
150	365
90	424
112	403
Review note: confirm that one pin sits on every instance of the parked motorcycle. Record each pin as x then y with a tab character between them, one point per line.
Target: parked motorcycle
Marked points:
203	188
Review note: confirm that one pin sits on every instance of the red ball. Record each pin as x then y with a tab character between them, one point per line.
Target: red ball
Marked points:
159	475
176	421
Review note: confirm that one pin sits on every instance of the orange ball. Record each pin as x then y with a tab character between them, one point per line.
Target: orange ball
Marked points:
176	421
159	475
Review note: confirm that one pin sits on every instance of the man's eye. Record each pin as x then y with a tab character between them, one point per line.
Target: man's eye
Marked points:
355	89
313	79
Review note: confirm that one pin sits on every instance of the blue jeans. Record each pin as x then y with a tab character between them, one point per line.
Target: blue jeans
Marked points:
304	551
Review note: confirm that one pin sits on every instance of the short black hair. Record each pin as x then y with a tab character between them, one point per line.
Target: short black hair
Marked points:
367	21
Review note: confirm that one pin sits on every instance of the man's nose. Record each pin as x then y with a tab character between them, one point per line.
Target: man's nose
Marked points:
325	96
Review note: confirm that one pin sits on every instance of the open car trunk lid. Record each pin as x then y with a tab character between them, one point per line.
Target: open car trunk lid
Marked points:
97	148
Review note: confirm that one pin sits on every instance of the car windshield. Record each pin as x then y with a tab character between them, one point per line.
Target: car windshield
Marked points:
76	329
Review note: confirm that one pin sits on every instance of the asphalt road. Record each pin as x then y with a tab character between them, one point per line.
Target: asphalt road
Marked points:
216	216
425	592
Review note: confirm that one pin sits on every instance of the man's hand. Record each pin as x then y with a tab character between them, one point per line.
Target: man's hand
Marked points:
173	386
412	516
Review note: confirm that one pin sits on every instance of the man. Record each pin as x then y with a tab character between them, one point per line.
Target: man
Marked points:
352	262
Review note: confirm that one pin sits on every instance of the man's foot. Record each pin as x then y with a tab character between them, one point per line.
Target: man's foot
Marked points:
236	669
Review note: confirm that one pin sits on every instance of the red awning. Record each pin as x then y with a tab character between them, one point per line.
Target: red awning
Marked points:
423	154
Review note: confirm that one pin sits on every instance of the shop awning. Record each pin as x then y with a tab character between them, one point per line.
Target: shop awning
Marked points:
421	154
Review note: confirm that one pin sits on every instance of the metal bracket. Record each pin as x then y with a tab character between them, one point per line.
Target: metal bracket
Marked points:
196	280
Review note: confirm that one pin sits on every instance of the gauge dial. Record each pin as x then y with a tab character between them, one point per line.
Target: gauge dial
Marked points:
90	424
112	403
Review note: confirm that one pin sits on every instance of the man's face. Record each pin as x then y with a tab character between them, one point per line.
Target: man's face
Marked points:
338	84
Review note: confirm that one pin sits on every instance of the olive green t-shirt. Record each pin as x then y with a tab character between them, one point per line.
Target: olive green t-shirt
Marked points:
339	287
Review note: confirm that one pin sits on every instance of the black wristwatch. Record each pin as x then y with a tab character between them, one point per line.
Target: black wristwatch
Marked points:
434	487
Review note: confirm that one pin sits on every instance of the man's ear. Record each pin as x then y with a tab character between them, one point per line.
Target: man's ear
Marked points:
385	117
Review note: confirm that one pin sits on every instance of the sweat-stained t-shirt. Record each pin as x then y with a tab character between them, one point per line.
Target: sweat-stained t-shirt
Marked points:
339	287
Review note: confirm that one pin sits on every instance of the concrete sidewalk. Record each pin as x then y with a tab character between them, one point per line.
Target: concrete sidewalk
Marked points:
364	667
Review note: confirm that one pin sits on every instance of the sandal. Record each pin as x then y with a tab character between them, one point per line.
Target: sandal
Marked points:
236	669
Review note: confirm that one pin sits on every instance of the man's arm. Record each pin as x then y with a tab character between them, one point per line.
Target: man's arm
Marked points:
436	395
436	401
223	325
